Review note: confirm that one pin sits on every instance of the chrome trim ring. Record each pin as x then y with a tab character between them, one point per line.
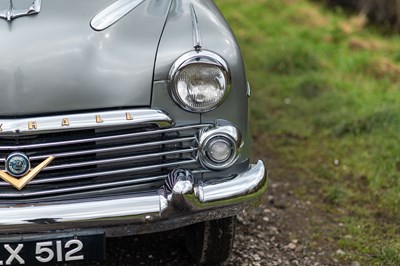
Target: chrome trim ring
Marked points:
220	130
197	57
17	164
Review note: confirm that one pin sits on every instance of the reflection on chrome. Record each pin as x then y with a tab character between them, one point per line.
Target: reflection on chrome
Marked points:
113	13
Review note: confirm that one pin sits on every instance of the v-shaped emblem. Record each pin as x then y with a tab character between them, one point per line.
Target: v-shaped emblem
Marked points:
20	183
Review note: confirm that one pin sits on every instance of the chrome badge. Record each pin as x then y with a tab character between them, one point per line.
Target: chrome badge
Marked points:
17	164
11	12
19	171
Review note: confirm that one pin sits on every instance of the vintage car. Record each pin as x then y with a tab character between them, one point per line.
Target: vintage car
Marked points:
120	118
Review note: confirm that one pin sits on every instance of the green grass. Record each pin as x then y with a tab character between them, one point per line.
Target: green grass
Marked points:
326	97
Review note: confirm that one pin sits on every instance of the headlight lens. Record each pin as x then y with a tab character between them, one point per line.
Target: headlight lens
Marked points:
199	81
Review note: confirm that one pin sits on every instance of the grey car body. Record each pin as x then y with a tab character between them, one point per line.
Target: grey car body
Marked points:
59	74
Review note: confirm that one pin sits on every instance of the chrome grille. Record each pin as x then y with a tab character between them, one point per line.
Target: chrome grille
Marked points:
101	160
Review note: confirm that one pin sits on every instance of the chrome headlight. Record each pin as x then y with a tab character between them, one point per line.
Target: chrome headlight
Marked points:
199	81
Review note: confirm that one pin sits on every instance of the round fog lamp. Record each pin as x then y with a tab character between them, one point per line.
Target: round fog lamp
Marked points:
219	150
219	146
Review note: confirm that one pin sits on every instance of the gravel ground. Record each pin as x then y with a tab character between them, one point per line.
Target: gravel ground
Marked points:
279	232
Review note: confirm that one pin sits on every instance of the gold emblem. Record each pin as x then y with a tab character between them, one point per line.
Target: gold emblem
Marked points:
32	125
128	116
99	119
20	183
65	122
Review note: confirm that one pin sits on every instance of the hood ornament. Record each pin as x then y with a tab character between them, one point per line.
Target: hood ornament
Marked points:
11	12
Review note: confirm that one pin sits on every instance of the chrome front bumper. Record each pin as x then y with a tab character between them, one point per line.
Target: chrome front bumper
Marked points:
185	203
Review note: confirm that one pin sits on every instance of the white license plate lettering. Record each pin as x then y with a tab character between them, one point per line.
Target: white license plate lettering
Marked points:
70	255
48	251
59	251
14	254
45	253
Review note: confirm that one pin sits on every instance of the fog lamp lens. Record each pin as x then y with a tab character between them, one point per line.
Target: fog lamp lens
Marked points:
219	150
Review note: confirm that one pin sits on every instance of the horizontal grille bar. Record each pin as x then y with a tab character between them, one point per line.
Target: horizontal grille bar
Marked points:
106	173
87	140
117	148
117	160
81	188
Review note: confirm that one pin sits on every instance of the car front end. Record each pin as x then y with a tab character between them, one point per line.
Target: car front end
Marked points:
120	118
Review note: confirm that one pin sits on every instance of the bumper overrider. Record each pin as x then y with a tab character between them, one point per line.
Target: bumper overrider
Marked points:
181	201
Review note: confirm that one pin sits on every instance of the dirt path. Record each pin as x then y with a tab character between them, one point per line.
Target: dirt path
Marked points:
283	231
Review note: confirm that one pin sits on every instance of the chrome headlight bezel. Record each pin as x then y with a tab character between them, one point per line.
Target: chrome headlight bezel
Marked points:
197	57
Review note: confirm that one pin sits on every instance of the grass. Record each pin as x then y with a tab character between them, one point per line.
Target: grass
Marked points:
326	97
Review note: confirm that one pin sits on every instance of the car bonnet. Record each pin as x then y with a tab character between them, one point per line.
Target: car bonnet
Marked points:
54	61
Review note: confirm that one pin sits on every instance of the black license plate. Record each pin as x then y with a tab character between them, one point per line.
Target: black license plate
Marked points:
52	248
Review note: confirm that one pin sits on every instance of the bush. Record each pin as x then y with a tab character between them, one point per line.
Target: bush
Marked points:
380	11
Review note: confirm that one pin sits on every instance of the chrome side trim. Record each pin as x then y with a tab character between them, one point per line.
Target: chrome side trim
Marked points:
11	12
143	211
196	29
113	13
83	121
248	91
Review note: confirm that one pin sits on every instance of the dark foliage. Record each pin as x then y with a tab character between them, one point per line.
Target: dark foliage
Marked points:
380	11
